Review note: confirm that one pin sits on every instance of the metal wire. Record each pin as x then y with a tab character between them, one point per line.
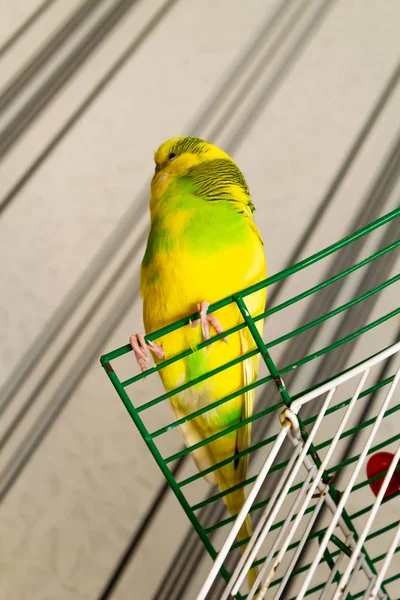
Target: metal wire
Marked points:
42	425
310	485
355	238
69	345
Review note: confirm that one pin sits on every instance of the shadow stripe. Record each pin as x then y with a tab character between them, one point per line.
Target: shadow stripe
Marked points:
20	81
12	132
76	333
369	210
90	275
374	274
241	66
22	454
178	561
29	360
31	20
181	558
77	330
290	59
335	362
341	173
102	296
84	322
64	391
113	244
263	63
139	534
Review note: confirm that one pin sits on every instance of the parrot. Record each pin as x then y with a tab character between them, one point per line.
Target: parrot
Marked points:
203	246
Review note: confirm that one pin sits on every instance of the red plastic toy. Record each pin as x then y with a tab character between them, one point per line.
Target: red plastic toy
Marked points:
380	463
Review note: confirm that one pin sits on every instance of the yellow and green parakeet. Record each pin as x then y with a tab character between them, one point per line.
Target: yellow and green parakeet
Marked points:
203	246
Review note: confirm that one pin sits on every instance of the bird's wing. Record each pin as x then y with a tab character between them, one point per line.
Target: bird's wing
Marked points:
250	370
192	435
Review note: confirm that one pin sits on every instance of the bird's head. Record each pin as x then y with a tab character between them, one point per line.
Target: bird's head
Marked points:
207	169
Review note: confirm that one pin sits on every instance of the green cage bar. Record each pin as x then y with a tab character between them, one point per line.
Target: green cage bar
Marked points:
284	399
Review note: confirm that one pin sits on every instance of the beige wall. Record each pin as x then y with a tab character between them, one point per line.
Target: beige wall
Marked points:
305	94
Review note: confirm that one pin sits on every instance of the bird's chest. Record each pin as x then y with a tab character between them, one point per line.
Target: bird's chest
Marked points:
191	256
176	272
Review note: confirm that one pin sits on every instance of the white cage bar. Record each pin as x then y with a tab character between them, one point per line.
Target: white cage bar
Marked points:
313	483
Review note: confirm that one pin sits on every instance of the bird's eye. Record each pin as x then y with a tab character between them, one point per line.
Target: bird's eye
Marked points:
157	168
172	156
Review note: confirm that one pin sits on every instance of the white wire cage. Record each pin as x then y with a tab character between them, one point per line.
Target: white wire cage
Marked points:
349	559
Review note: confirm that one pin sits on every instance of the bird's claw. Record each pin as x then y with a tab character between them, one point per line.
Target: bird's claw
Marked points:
206	320
141	351
156	349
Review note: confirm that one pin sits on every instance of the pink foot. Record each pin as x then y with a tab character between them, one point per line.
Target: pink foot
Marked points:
206	320
141	351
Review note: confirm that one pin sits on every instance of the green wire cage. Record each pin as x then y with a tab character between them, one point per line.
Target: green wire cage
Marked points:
323	482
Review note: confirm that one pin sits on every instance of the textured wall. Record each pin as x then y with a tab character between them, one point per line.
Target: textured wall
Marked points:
88	90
